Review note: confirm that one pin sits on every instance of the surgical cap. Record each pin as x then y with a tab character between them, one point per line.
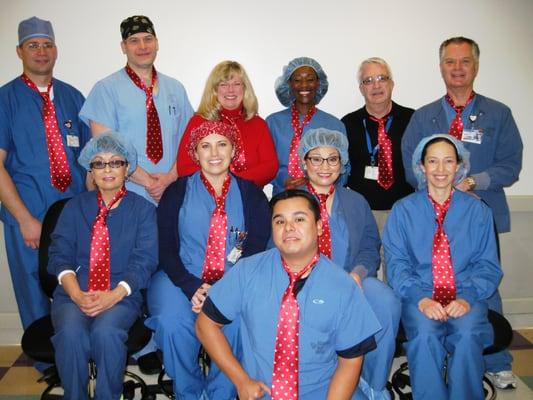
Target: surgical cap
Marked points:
136	24
283	91
35	27
109	142
212	127
314	138
464	154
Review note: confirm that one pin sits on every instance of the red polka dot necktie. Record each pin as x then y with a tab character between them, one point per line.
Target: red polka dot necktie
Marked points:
456	127
285	372
295	171
443	275
60	175
238	163
385	172
99	262
324	240
154	138
215	251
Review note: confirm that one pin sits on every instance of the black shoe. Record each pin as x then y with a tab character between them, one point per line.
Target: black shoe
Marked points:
149	364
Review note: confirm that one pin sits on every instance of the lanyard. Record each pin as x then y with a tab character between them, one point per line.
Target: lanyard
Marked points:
372	152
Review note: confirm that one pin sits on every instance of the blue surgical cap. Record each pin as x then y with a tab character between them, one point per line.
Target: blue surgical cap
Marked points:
318	137
109	142
35	27
464	154
283	91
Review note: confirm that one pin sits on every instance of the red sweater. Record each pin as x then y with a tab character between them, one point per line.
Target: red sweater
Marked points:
260	154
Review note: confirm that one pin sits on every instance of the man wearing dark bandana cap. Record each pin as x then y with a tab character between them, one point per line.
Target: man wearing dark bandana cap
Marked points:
148	107
151	110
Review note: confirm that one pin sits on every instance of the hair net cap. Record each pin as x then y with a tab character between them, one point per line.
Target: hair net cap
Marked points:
109	142
464	154
283	91
318	137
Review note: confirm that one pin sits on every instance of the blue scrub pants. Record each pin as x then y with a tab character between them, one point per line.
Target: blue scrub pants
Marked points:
377	364
79	338
24	267
172	319
498	361
461	339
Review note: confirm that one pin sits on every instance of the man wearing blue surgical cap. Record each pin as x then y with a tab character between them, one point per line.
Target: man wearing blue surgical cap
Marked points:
301	86
40	140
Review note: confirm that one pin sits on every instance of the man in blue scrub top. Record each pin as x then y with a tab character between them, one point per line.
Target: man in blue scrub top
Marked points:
118	103
489	132
26	187
336	324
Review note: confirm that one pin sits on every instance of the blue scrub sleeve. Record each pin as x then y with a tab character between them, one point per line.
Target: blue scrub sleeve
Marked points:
356	321
100	107
484	282
368	255
400	271
62	250
143	258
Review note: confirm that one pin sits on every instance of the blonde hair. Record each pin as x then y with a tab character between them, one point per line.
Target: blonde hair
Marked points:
209	107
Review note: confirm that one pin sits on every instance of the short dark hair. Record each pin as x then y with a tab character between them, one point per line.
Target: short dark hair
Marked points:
439	140
291	193
459	40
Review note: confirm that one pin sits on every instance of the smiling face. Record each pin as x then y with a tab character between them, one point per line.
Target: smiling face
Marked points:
230	93
140	50
440	165
458	66
324	175
304	84
378	92
38	56
295	230
214	154
109	179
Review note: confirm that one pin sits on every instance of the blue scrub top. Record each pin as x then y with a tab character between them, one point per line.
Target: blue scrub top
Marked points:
195	219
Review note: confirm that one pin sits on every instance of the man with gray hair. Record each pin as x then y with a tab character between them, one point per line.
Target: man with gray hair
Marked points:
40	141
489	133
374	134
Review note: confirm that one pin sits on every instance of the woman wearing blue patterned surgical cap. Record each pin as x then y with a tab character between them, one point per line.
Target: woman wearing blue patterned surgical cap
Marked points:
103	252
353	243
301	86
441	258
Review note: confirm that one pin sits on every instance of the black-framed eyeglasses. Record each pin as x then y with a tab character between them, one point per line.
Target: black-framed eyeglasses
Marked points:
378	79
112	164
317	161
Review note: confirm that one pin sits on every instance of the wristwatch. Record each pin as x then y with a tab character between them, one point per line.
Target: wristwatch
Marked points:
471	182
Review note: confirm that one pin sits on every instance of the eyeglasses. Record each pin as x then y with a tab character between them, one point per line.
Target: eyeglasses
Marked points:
317	161
378	78
112	164
35	46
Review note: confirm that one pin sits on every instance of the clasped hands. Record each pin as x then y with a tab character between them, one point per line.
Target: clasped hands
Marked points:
434	310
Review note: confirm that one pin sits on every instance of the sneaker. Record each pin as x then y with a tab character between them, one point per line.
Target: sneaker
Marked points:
502	379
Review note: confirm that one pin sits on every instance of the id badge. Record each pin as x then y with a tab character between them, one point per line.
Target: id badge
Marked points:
472	136
234	255
371	172
73	141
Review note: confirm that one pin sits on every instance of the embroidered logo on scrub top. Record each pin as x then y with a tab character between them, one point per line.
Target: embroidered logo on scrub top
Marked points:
319	347
318	301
